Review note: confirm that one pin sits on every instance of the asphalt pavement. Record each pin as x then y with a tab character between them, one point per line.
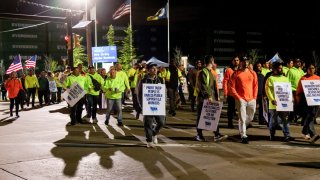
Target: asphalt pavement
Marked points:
39	145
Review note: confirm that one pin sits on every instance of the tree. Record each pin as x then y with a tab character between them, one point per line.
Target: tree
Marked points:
177	56
78	54
110	36
255	55
49	63
128	52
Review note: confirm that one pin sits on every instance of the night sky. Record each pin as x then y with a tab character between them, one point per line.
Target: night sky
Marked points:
194	17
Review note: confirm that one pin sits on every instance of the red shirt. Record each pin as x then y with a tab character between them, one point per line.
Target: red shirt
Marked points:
13	86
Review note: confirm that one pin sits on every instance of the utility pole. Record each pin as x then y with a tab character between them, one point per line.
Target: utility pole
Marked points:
88	35
69	34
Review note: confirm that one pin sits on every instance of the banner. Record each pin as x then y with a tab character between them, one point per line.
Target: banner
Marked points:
283	96
220	72
311	90
210	115
73	94
154	99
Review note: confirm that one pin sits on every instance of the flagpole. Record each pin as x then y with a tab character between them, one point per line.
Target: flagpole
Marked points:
168	33
131	29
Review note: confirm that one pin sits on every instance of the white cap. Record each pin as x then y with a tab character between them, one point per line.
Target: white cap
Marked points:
143	62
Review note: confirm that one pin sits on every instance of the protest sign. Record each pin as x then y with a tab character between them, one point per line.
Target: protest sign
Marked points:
210	115
73	94
311	90
153	99
283	96
220	72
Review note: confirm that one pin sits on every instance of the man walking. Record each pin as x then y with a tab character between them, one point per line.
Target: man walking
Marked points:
244	88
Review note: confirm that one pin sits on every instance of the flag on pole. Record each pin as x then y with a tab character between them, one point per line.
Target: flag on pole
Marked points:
161	14
276	58
31	63
15	65
122	10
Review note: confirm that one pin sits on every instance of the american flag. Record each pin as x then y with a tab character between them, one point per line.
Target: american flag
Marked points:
122	10
15	65
31	63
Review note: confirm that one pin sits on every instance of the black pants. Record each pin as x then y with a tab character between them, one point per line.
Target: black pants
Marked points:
32	93
135	101
4	95
76	112
260	103
59	94
14	102
92	102
199	131
43	94
231	110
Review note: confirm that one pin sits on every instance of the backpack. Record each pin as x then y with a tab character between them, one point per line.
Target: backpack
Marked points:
96	84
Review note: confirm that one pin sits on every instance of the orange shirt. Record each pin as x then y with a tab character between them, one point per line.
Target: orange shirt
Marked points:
244	85
13	86
300	88
226	79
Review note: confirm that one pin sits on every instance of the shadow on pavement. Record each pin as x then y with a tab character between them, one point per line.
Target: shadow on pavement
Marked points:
63	110
315	165
7	120
83	140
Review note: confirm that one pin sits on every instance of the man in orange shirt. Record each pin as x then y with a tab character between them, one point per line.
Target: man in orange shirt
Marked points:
227	95
244	88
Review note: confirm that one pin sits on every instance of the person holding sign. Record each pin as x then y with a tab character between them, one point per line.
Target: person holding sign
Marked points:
309	112
150	131
206	89
276	117
244	88
114	87
75	110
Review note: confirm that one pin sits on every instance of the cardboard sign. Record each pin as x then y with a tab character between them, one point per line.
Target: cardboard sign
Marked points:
154	99
210	115
73	94
311	90
283	96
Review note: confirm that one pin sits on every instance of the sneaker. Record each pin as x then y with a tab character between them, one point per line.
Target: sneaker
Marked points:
314	139
120	124
200	138
150	145
244	140
95	121
220	138
155	139
288	138
306	137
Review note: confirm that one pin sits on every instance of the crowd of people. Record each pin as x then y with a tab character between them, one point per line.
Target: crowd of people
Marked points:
246	87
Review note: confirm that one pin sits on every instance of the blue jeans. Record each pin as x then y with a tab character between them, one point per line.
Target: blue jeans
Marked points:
117	104
92	102
308	119
278	118
148	126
